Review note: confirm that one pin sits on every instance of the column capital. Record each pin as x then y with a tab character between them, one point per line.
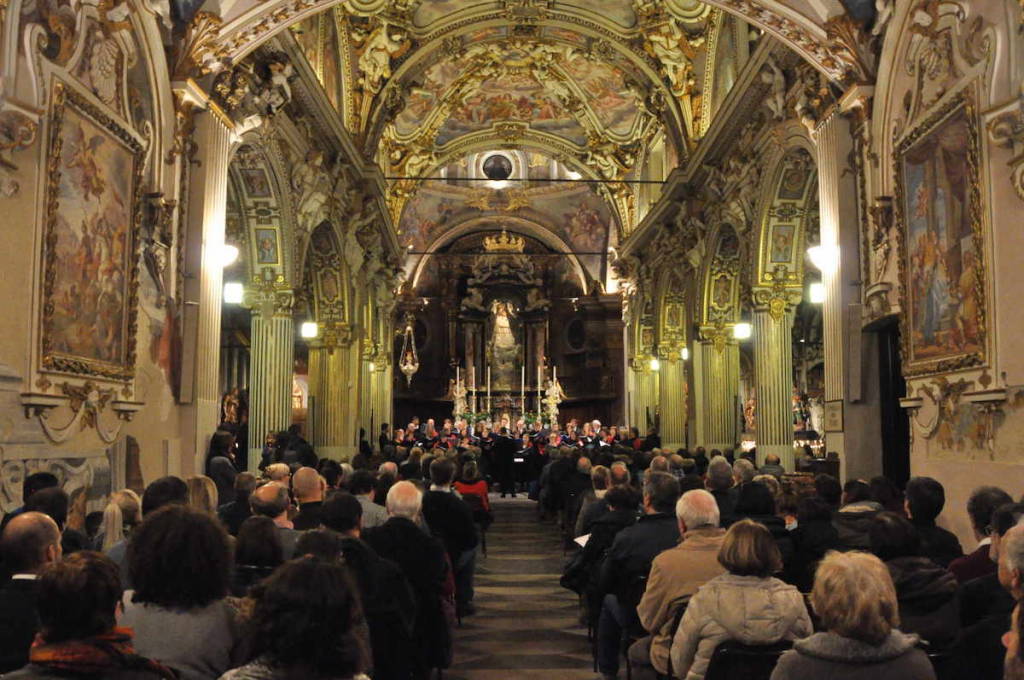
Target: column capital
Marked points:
333	335
718	336
269	299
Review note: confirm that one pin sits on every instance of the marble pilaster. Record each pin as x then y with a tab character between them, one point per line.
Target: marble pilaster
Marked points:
271	366
672	400
773	366
720	379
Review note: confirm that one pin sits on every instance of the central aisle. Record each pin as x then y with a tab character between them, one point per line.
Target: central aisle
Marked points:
526	625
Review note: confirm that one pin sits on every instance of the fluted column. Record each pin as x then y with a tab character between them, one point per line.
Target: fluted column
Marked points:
645	401
773	366
203	281
329	378
272	351
672	399
720	378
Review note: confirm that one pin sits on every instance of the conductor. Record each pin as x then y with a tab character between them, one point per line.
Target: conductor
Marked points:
504	458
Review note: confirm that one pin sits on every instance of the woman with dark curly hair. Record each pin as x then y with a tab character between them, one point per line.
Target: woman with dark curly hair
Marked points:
258	552
180	565
304	624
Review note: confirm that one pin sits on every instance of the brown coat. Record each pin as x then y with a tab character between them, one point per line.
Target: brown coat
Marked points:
676	574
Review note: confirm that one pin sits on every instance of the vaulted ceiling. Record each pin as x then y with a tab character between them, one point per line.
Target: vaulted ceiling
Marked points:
597	87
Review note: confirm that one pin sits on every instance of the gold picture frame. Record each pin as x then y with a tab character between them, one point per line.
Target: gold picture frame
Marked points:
942	254
90	257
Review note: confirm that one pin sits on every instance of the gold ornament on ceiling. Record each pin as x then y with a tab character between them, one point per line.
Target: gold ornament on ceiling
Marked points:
504	243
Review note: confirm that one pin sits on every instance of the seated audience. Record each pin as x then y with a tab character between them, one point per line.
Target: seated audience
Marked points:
925	592
304	625
855	601
37	481
985	605
163	491
257	554
54	501
30	542
743	472
599	479
813	537
676	574
272	500
721	484
308	487
77	602
278	472
384	591
887	494
451	520
982	502
618	475
629	562
855	516
122	514
772	466
233	513
421	558
829	490
202	494
746	604
363	487
925	499
180	563
1013	663
756	502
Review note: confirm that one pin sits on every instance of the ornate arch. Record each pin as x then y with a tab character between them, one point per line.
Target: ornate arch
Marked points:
518	225
784	218
329	286
720	306
672	311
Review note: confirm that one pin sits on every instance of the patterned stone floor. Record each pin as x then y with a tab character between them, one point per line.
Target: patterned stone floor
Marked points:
526	624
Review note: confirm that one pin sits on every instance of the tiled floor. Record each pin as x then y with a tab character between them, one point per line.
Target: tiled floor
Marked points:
526	625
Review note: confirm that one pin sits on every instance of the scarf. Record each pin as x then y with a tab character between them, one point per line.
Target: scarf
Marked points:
96	655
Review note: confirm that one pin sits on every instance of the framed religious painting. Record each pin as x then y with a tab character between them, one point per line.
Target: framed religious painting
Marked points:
267	251
939	207
90	258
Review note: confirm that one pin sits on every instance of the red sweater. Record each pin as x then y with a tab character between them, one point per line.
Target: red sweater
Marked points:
478	488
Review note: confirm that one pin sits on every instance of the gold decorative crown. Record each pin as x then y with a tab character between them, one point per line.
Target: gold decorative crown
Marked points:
504	243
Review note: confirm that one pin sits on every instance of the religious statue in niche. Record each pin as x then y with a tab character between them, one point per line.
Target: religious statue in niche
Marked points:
816	408
503	346
750	415
459	398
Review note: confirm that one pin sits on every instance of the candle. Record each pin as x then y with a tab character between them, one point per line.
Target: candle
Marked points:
522	382
456	375
554	373
488	389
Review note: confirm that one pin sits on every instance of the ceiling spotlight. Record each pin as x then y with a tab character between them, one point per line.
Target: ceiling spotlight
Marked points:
817	293
742	331
233	293
309	329
228	255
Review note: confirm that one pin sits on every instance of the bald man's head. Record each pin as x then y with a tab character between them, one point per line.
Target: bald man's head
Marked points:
307	485
30	541
270	500
1011	561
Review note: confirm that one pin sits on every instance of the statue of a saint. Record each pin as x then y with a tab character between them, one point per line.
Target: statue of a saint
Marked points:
504	349
553	396
458	398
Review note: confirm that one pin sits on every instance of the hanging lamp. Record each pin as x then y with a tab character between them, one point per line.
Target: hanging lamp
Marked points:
410	362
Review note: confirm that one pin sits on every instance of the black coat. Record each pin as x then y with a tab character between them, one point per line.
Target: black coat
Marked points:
634	548
985	609
811	540
421	558
389	605
309	516
726	499
927	597
18	622
450	519
233	514
937	544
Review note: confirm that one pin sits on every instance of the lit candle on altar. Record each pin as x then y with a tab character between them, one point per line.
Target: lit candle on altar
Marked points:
456	375
488	389
522	381
554	373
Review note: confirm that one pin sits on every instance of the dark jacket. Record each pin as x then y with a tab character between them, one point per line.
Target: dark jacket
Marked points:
389	606
582	571
421	558
309	516
590	515
827	655
450	519
852	523
781	535
223	472
18	622
811	540
937	544
985	609
975	565
634	548
726	499
233	514
927	599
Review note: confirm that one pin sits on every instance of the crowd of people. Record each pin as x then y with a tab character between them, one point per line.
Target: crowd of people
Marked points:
311	568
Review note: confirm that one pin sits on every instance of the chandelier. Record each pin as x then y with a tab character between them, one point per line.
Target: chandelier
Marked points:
410	361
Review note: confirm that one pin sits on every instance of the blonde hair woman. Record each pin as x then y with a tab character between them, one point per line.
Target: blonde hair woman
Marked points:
855	600
746	603
202	494
119	518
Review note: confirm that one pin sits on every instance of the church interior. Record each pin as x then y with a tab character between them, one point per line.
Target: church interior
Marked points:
788	228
